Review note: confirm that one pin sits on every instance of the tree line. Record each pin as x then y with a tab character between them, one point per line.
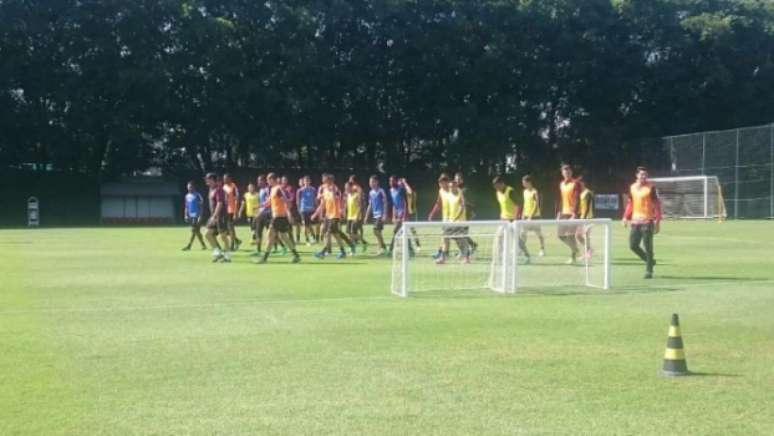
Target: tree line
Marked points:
112	87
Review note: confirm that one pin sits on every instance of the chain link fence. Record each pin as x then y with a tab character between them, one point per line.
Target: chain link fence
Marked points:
742	159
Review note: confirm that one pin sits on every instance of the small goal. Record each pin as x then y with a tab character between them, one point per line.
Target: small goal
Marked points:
691	197
487	256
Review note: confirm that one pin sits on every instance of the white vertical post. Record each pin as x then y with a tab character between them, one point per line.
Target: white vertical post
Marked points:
706	197
587	259
736	178
608	255
506	236
404	268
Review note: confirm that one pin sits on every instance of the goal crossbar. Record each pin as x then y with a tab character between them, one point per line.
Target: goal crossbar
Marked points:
500	248
691	197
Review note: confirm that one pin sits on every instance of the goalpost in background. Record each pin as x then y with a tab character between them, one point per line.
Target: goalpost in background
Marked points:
742	160
691	197
497	263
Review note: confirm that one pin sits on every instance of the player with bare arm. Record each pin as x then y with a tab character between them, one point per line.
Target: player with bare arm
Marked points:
567	209
643	213
281	226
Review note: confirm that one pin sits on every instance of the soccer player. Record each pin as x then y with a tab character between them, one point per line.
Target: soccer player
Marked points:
470	213
263	216
249	208
306	198
216	225
567	209
290	195
194	203
531	211
586	210
413	213
643	211
451	201
281	220
399	189
509	208
331	208
377	204
232	209
354	201
362	198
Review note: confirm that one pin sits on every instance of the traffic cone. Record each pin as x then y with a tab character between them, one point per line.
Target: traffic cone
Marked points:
674	356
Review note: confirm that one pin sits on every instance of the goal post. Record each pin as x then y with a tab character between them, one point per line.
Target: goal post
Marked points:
490	255
484	248
699	197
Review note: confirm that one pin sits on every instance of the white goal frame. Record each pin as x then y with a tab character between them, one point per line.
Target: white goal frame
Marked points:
704	182
508	263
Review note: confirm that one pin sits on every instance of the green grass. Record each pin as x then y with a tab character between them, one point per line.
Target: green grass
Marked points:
115	331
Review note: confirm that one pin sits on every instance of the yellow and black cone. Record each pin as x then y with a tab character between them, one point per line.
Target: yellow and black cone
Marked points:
674	357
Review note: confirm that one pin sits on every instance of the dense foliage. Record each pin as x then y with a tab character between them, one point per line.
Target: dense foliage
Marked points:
111	87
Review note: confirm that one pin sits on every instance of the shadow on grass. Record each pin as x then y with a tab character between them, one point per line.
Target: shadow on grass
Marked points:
636	262
692	374
285	260
331	263
555	292
711	374
713	278
631	290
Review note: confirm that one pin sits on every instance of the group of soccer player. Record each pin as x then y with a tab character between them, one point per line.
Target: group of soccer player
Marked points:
274	207
576	201
327	213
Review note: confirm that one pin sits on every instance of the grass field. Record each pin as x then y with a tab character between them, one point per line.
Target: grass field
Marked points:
115	331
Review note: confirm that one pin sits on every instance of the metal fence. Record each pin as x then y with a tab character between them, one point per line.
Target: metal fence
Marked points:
742	159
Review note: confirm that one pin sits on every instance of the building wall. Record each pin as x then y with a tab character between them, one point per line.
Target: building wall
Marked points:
132	208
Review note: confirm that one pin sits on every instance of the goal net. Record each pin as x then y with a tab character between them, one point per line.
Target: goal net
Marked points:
489	255
691	197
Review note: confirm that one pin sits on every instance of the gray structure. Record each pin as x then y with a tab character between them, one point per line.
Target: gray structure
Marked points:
140	201
742	159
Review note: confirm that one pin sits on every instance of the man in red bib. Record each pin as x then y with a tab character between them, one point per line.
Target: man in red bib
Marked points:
643	211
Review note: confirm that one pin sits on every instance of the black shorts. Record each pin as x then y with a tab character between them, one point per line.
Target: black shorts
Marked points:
354	226
217	225
378	224
280	224
306	217
229	220
294	213
332	225
194	222
263	222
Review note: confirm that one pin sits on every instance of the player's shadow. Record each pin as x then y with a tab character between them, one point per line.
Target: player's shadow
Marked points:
711	374
546	292
628	262
713	278
591	292
338	262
